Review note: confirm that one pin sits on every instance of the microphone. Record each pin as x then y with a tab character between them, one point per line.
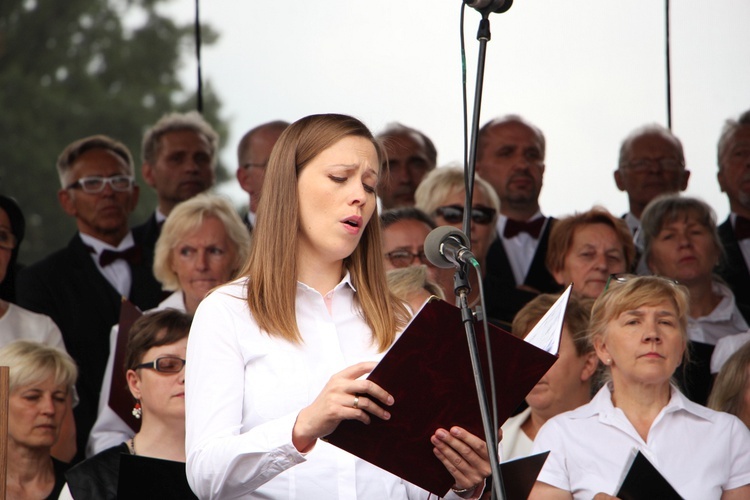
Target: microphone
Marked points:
498	6
447	247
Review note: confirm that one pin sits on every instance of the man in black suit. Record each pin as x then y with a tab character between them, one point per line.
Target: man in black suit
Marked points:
510	156
80	287
411	156
179	161
734	180
253	153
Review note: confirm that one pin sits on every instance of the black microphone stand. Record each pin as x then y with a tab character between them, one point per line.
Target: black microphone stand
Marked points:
461	278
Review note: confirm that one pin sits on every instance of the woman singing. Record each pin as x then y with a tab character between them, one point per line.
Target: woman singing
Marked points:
275	359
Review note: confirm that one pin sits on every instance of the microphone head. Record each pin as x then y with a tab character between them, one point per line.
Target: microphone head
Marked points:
498	6
436	239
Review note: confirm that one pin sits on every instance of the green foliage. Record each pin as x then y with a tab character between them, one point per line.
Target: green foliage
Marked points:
73	68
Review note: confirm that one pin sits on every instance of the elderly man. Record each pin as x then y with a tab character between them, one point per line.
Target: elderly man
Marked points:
253	153
411	154
179	161
651	163
81	286
510	156
734	180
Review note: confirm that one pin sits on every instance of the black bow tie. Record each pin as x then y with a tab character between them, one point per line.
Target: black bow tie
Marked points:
132	255
741	228
515	227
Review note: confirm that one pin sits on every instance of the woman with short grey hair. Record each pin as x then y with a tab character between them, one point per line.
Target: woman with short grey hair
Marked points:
681	243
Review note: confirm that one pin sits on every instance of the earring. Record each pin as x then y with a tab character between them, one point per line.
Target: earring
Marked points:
137	410
608	362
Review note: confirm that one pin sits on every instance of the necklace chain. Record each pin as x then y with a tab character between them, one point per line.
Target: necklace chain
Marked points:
132	446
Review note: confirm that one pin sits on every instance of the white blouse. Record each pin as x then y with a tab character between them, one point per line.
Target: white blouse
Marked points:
699	451
245	388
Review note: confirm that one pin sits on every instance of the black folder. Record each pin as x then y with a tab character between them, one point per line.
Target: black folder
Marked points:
152	478
644	482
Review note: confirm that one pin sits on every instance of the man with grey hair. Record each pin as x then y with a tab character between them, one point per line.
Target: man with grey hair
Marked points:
651	163
411	155
179	156
510	156
734	180
81	286
253	153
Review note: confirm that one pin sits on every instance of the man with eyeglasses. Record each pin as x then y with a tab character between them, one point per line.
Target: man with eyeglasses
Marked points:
651	163
734	180
253	153
81	286
510	156
411	155
179	161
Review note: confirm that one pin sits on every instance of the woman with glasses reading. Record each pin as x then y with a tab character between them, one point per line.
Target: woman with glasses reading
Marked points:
681	242
155	362
441	194
276	358
639	330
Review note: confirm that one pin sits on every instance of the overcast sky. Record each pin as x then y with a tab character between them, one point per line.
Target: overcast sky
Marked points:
586	72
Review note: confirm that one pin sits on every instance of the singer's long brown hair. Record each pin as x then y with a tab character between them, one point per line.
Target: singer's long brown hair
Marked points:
272	264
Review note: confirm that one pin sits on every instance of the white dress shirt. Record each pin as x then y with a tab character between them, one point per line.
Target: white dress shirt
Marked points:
700	452
244	389
21	324
118	272
521	248
515	442
744	244
723	321
725	347
109	429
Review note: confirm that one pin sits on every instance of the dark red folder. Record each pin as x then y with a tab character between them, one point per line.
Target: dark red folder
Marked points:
120	399
428	372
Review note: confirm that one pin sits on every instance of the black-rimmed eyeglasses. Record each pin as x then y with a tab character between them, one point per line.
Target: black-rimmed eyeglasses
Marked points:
454	214
95	183
165	364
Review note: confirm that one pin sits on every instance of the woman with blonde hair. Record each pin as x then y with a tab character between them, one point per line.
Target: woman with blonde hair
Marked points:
639	330
202	245
276	357
731	391
41	378
441	195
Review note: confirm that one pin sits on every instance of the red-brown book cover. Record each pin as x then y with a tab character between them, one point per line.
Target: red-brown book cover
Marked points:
120	399
428	371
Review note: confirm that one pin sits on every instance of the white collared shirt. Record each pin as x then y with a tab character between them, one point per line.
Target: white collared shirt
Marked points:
744	244
633	222
515	442
700	452
725	347
118	272
723	321
521	248
244	389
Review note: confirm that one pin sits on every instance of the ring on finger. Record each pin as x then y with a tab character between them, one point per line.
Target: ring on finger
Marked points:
355	405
